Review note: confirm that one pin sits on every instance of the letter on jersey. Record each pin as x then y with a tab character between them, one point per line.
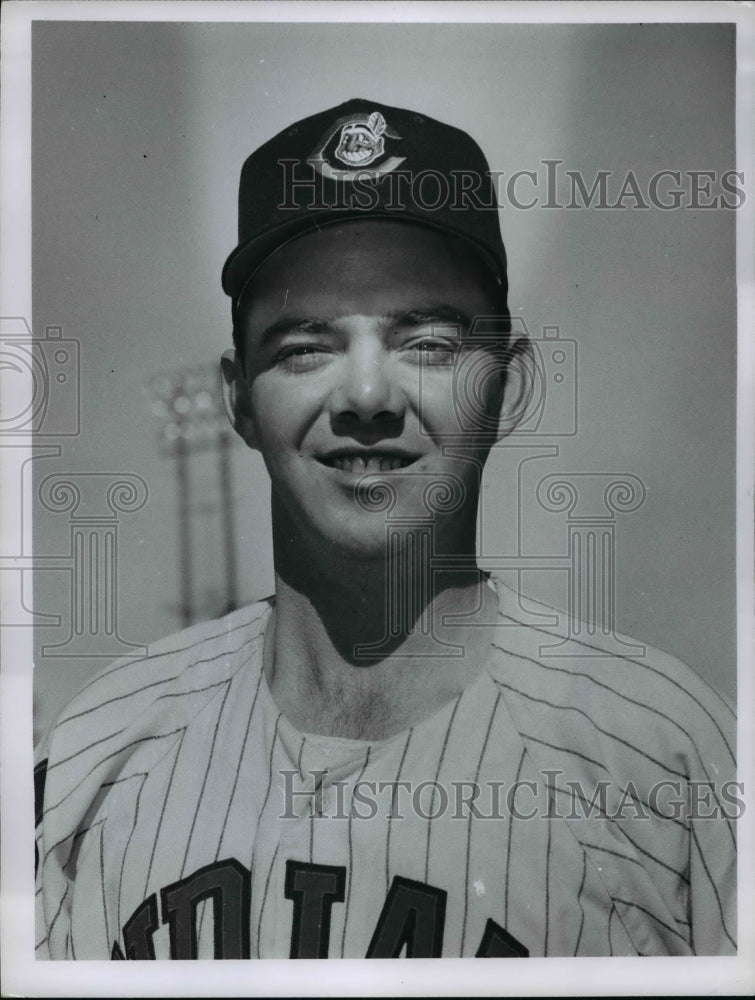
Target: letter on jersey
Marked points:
228	884
414	915
313	889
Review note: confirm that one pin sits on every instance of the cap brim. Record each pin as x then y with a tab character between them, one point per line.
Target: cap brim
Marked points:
249	257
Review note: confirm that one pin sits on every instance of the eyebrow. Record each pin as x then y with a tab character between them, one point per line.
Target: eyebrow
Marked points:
293	324
441	314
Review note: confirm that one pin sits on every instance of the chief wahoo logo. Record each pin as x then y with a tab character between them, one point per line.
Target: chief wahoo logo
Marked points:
360	144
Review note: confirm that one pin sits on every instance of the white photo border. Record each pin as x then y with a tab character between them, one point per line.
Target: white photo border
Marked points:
538	977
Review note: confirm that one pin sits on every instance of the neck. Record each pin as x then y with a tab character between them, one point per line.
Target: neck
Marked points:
363	643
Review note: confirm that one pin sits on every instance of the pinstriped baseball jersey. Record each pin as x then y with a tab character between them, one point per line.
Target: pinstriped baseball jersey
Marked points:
579	804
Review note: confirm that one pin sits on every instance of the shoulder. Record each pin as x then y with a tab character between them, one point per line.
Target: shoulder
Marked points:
133	698
628	705
211	647
637	752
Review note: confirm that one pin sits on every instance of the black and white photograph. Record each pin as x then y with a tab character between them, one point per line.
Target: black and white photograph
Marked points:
377	461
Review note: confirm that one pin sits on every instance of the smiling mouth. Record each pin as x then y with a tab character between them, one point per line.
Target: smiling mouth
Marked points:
368	464
357	155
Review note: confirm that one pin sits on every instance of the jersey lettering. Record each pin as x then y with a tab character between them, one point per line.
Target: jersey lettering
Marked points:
412	920
40	775
228	885
414	915
138	930
313	889
498	943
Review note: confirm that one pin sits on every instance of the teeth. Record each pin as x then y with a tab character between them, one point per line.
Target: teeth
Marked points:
370	465
356	155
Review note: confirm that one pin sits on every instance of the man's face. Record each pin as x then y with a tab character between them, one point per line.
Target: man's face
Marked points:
356	351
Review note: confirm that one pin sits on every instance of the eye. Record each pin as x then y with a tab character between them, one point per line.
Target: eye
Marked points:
432	351
301	358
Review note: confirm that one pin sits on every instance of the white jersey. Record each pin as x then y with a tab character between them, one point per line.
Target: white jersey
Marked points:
581	805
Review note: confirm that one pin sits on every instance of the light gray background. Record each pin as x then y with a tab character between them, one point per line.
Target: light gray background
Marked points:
139	132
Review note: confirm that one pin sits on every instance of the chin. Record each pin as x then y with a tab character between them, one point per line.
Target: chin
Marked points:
364	538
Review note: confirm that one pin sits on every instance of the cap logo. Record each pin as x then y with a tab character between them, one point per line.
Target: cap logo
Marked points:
360	146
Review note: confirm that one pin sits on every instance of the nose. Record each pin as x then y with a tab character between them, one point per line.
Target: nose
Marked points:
368	390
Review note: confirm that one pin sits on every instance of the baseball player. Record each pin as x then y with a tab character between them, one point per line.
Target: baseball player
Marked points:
379	761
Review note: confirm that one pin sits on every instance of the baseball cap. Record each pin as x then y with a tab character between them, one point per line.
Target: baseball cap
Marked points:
363	159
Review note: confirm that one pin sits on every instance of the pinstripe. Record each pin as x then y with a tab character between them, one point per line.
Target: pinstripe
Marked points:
115	753
64	760
605	732
437	775
123	780
351	856
123	697
579	901
77	836
604	815
607	687
713	886
548	876
689	898
264	897
206	773
232	796
68	836
390	821
235	779
162	697
636	906
193	691
179	747
128	842
312	832
312	814
680	875
269	780
574	753
658	813
301	753
469	824
151	657
313	817
143	775
610	939
645	666
508	845
632	701
102	886
57	912
610	850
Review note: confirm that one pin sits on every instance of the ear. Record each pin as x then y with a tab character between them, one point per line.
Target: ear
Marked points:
519	385
237	397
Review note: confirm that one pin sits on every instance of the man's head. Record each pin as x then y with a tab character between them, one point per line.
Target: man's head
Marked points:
365	160
358	347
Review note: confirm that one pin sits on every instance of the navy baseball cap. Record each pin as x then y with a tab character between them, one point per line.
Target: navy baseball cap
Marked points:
363	159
